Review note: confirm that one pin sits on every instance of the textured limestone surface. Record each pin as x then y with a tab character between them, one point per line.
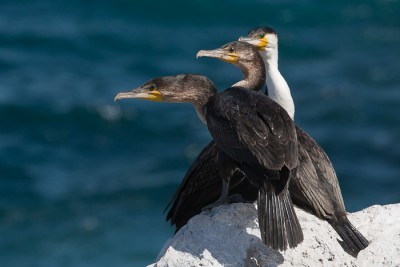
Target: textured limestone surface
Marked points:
229	236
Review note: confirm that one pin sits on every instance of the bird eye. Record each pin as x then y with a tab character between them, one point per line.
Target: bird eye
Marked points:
261	35
231	50
151	87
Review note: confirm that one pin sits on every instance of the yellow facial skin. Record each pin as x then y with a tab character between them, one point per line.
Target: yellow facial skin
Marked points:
260	43
139	93
230	58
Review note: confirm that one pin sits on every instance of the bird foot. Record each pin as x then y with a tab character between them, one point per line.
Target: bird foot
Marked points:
217	203
236	198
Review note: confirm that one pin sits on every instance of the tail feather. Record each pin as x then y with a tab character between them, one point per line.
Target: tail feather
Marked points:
263	216
278	222
353	239
295	233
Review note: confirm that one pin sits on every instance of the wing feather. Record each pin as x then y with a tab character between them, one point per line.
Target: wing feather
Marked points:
251	128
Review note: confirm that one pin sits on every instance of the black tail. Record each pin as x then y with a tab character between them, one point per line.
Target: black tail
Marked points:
353	240
278	222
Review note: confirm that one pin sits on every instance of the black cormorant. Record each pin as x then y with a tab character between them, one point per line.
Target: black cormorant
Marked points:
315	187
254	135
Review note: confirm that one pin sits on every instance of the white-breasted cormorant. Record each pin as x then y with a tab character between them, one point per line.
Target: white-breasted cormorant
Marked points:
253	134
315	187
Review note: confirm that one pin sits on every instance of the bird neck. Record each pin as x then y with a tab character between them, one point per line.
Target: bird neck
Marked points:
200	103
277	87
253	75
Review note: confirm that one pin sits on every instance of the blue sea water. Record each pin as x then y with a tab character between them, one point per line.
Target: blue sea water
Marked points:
84	180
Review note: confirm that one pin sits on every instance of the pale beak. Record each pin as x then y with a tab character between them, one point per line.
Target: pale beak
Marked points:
140	93
261	44
219	54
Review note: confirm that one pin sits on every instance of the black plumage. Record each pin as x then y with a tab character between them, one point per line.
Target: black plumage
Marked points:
259	138
253	135
202	185
320	192
314	188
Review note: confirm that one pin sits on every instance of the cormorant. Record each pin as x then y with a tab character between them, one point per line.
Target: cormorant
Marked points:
253	134
315	187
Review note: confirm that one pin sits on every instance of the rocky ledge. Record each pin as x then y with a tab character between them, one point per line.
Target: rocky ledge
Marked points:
229	236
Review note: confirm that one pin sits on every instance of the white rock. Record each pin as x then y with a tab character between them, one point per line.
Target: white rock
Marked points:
229	236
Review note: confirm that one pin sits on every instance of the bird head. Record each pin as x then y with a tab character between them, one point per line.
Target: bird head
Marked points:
180	88
264	38
237	53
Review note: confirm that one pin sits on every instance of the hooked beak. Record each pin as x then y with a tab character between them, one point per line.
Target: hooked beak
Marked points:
140	93
219	54
261	44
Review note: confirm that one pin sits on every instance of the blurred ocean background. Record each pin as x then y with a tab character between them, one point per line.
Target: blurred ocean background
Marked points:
84	180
